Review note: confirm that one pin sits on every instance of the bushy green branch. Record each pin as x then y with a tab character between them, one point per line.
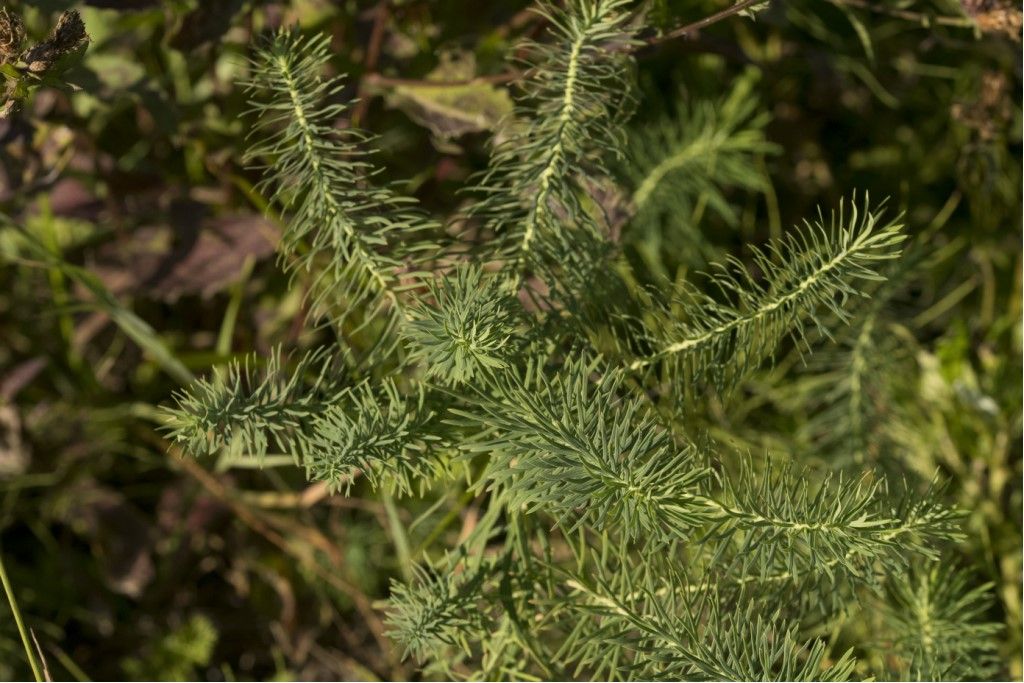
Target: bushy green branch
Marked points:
663	631
614	538
362	242
438	610
810	272
248	409
576	445
782	523
581	450
576	93
375	430
850	410
936	626
468	328
683	163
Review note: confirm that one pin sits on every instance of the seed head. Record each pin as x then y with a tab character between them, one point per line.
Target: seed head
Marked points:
69	35
12	35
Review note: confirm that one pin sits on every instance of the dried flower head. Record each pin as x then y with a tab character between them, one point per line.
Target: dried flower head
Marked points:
12	35
69	32
68	36
996	16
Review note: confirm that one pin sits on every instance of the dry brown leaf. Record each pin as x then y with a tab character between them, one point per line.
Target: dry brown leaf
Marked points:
150	264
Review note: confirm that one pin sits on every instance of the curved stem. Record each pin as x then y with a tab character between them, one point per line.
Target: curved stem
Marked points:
22	631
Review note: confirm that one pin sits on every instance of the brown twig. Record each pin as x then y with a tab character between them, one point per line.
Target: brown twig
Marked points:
42	657
697	26
381	14
375	79
377	35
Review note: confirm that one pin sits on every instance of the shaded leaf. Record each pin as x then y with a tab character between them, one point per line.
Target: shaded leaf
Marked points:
452	111
148	263
205	24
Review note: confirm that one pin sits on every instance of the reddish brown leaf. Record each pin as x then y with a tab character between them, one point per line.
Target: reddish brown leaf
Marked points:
150	264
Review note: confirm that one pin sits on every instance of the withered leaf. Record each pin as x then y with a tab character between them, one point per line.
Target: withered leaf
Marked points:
450	111
151	264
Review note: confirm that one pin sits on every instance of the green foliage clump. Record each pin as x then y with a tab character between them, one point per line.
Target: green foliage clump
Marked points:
249	414
542	384
811	273
355	235
578	93
178	655
933	621
467	330
620	537
684	163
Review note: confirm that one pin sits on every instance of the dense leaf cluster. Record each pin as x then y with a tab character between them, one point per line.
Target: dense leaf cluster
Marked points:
620	539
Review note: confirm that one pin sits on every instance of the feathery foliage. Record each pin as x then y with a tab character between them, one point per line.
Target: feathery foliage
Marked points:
438	612
576	97
363	242
467	329
682	165
577	448
248	410
679	635
788	525
811	272
617	539
934	625
376	431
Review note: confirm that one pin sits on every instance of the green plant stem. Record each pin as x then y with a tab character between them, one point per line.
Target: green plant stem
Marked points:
22	631
227	327
398	536
450	517
70	665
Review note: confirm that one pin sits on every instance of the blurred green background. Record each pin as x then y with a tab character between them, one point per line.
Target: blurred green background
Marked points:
129	562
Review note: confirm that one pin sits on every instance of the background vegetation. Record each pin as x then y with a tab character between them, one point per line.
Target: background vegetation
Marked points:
154	262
